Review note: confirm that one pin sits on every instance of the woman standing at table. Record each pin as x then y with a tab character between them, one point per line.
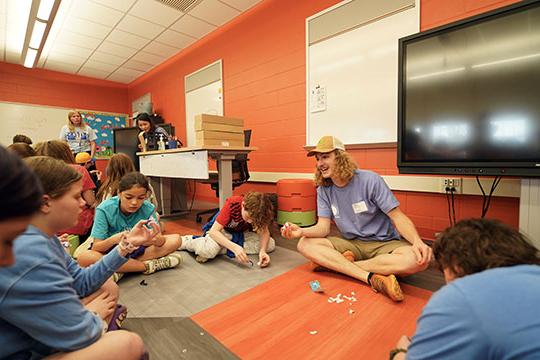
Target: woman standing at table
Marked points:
79	136
150	133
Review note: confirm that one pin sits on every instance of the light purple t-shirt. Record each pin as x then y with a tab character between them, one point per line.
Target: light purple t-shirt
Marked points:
359	209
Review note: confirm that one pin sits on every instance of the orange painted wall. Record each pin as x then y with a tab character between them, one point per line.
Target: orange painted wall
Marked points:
44	87
263	54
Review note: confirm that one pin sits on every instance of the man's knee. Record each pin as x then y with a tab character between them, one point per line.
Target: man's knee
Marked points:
408	263
302	245
308	245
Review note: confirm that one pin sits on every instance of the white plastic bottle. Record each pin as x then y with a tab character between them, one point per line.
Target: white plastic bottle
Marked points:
161	143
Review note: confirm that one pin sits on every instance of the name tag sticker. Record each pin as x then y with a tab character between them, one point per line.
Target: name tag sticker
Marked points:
359	207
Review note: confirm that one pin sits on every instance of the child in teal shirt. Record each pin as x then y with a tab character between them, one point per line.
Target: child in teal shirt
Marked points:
119	214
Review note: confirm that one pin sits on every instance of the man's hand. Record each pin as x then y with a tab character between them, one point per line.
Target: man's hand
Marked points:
240	254
143	232
422	251
291	231
264	259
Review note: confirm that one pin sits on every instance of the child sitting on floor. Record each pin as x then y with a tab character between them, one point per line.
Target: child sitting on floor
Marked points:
119	214
119	165
48	304
232	229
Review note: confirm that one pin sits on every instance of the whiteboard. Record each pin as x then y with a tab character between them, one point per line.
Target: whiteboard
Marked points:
352	81
205	100
203	94
40	123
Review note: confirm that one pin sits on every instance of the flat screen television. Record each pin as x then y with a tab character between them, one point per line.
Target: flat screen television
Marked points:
469	96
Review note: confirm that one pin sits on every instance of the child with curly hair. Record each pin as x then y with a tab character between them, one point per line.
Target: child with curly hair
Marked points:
239	228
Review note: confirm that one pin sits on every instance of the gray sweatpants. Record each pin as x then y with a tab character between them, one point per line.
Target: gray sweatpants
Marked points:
206	247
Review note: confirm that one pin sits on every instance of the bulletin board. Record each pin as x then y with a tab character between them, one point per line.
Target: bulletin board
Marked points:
352	69
103	124
42	123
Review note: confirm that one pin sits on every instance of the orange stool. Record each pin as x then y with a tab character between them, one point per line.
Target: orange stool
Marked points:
297	202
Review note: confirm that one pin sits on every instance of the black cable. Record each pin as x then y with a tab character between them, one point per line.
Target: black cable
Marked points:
449	209
483	195
193	195
452	190
494	185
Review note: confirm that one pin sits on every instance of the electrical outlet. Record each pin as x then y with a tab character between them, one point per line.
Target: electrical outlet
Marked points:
447	184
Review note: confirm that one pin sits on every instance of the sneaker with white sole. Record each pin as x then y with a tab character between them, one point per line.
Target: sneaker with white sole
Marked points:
117	276
165	262
387	285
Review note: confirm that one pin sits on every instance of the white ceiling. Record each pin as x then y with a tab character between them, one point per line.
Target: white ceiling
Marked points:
117	40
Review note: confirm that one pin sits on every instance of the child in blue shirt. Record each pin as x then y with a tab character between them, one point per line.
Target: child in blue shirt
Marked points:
42	294
119	214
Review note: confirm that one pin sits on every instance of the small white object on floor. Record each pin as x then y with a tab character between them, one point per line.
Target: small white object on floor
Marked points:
351	311
184	351
313	332
202	333
341	298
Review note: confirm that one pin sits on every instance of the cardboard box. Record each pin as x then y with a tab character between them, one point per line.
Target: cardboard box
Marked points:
215	119
218	127
218	135
214	130
217	142
207	137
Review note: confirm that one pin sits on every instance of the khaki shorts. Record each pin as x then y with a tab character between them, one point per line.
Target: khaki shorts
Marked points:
366	249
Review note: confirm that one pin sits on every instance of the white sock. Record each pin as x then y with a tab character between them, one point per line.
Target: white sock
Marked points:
186	243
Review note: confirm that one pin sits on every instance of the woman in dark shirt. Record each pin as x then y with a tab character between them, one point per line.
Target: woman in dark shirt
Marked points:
150	133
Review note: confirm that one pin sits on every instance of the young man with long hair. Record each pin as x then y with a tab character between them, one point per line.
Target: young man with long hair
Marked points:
378	241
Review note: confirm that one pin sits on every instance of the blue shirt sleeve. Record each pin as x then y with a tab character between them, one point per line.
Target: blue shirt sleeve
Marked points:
45	306
448	329
323	203
88	280
382	195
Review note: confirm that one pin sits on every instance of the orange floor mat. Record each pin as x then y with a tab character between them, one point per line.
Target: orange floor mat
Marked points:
278	319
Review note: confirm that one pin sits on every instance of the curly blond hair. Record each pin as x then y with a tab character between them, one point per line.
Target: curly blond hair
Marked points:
260	209
344	168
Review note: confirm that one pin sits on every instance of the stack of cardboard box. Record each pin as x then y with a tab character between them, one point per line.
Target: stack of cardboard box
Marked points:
214	130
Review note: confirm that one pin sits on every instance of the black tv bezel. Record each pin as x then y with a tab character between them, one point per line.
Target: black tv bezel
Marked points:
489	168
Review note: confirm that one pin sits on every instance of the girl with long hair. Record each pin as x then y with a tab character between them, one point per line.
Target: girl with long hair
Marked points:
49	305
120	213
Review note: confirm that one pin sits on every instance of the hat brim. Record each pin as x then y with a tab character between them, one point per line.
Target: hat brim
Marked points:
315	152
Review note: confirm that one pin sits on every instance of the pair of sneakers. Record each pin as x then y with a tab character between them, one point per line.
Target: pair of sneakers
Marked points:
162	263
165	262
385	284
